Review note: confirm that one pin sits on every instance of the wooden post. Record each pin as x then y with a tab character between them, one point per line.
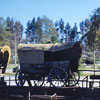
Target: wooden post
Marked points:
15	49
9	81
54	96
29	94
94	62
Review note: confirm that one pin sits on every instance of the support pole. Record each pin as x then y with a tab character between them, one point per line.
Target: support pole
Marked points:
94	62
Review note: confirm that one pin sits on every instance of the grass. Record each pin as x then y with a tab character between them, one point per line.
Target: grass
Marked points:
88	73
11	66
9	74
82	68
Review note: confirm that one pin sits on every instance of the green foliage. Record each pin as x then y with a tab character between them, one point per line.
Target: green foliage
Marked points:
98	67
54	39
5	38
66	33
41	30
92	30
4	33
15	28
16	31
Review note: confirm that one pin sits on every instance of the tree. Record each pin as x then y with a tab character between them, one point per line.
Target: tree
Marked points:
10	24
74	33
4	33
41	31
18	31
67	32
28	32
31	34
82	27
87	24
93	34
49	32
61	29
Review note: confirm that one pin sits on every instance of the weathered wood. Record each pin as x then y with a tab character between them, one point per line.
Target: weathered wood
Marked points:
45	93
46	53
40	53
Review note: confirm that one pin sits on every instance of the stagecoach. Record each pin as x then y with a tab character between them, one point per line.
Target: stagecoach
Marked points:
53	63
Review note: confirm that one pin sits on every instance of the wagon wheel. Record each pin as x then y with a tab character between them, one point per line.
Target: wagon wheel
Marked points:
39	82
57	77
19	78
73	78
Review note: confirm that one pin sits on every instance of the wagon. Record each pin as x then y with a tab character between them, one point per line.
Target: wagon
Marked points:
53	63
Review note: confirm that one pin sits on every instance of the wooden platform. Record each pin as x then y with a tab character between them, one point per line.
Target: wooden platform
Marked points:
48	93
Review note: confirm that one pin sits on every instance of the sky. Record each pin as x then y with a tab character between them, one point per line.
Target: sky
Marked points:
72	11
